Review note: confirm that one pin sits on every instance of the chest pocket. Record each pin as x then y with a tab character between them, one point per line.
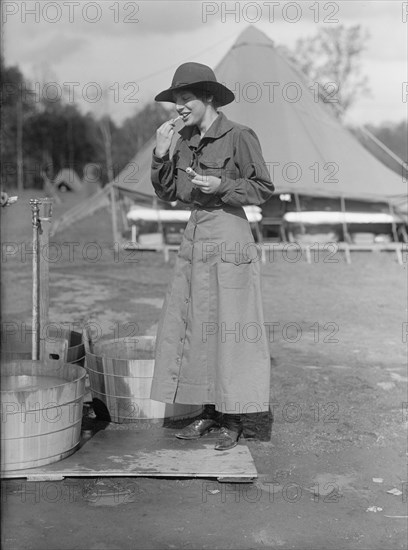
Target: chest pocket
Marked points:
236	274
213	166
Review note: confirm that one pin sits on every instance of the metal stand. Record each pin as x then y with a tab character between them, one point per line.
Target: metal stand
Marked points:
41	210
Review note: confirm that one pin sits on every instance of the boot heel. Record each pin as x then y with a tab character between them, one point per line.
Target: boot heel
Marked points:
228	439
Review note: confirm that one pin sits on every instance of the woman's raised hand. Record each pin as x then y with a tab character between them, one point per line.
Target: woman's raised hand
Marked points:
164	135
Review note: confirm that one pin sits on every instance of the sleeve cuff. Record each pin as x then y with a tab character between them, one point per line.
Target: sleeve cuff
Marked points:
159	160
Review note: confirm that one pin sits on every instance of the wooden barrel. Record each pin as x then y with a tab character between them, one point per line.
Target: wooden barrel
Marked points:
17	345
120	376
41	412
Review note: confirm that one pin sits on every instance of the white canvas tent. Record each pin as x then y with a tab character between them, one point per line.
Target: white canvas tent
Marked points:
311	152
308	151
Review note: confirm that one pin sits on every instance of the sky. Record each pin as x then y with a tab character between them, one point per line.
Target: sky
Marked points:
114	56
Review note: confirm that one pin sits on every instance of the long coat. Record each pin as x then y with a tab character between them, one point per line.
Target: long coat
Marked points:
212	344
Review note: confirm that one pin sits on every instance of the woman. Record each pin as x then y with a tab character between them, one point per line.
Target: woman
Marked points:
211	344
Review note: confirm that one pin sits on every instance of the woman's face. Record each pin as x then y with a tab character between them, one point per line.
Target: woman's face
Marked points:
190	107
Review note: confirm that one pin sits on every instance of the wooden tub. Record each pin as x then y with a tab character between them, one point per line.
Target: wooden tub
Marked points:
41	412
120	375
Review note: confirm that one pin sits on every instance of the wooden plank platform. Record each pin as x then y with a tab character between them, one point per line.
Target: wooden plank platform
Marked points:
148	453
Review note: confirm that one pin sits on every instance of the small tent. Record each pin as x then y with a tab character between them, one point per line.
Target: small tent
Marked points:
67	180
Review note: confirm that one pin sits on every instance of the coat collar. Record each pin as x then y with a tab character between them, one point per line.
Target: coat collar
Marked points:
218	128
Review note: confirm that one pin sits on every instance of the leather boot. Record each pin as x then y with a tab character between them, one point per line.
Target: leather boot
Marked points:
205	422
230	432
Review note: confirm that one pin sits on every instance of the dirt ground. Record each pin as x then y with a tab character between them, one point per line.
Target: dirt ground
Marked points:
338	398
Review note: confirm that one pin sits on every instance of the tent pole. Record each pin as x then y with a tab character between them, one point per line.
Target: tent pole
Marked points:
114	219
19	145
122	207
385	148
159	222
394	225
298	209
344	223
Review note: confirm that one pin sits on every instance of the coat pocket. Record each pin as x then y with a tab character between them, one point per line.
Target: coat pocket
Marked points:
213	166
235	274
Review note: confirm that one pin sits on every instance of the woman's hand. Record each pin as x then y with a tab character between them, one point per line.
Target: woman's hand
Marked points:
164	135
207	184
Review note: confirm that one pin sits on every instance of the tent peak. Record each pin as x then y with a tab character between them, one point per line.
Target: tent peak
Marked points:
253	36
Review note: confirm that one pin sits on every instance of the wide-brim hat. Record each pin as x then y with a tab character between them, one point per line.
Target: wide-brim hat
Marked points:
196	76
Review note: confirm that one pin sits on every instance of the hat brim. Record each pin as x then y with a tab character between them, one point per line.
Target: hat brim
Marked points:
221	93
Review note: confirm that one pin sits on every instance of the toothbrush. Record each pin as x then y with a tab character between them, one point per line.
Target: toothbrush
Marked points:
191	173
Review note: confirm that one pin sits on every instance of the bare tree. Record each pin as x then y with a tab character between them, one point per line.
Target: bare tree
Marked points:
331	60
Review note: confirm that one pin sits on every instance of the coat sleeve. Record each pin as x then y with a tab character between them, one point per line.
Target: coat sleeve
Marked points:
254	186
164	178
